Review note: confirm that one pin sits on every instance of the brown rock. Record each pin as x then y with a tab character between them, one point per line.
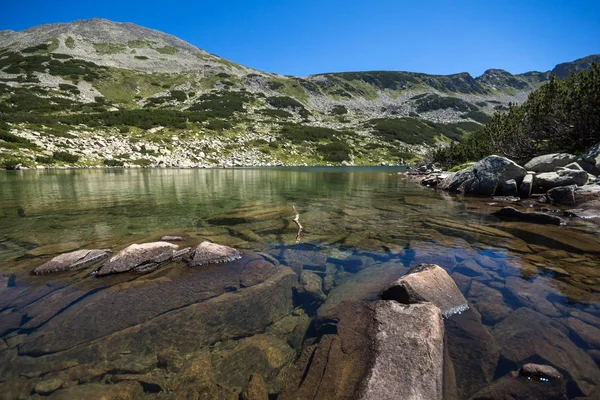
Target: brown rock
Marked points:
98	391
588	334
545	372
256	389
137	255
212	253
409	353
72	261
48	386
516	387
427	283
310	287
256	272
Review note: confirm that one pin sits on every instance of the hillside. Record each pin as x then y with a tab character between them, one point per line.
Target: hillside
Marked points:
96	92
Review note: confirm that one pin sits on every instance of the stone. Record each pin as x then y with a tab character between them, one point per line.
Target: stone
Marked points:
172	238
588	334
574	166
550	180
48	386
509	188
532	294
137	255
337	364
526	186
592	155
72	261
548	162
408	359
489	302
427	283
310	287
528	335
127	390
484	177
255	272
256	389
517	387
534	217
539	371
212	253
473	352
562	195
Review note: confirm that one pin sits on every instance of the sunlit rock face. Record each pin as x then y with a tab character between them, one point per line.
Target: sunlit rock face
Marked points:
212	253
141	257
75	260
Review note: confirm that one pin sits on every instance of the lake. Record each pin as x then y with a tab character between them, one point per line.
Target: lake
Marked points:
203	332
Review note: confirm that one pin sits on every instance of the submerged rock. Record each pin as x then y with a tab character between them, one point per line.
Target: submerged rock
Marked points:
548	162
427	283
409	353
545	372
518	387
212	253
256	389
138	256
72	261
535	217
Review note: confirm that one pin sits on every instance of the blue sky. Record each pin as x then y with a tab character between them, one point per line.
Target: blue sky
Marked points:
306	37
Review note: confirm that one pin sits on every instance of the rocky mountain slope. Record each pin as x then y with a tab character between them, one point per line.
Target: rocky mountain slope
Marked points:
96	92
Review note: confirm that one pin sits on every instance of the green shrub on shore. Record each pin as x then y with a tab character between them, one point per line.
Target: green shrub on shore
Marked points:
65	157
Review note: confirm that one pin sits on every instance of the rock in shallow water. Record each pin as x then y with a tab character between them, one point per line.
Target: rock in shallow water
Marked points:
138	256
72	261
427	283
212	253
535	217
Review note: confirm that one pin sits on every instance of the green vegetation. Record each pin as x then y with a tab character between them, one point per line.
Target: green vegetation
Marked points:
414	131
141	57
299	133
167	50
339	110
275	113
70	42
288	103
113	163
561	115
335	152
65	156
109	48
478	116
434	102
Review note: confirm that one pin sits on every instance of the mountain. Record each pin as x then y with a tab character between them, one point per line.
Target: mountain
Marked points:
97	92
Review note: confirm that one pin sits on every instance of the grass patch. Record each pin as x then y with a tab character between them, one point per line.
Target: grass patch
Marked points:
167	50
109	48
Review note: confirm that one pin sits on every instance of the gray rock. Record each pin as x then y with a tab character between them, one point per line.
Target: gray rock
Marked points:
534	217
484	177
427	283
563	195
509	188
74	260
173	238
549	180
526	186
212	253
592	156
574	166
138	256
409	353
548	162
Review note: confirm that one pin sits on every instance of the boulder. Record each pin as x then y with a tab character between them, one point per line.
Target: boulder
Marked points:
427	283
408	359
538	371
99	391
562	195
574	166
548	162
138	256
526	186
592	155
72	261
310	287
518	387
549	180
534	217
485	177
509	188
212	253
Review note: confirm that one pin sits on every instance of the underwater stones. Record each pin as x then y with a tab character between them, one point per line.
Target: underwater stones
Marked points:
408	353
235	361
427	283
310	287
74	260
588	334
472	350
48	386
485	177
256	389
138	256
519	387
249	214
212	253
528	335
548	162
127	390
534	217
255	272
532	294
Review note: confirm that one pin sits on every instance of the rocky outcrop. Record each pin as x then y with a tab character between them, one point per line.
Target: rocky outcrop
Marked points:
139	257
526	186
427	283
548	162
211	253
72	261
565	177
484	178
534	217
518	387
592	156
409	353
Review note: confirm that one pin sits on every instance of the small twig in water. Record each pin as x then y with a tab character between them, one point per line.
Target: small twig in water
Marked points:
297	221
